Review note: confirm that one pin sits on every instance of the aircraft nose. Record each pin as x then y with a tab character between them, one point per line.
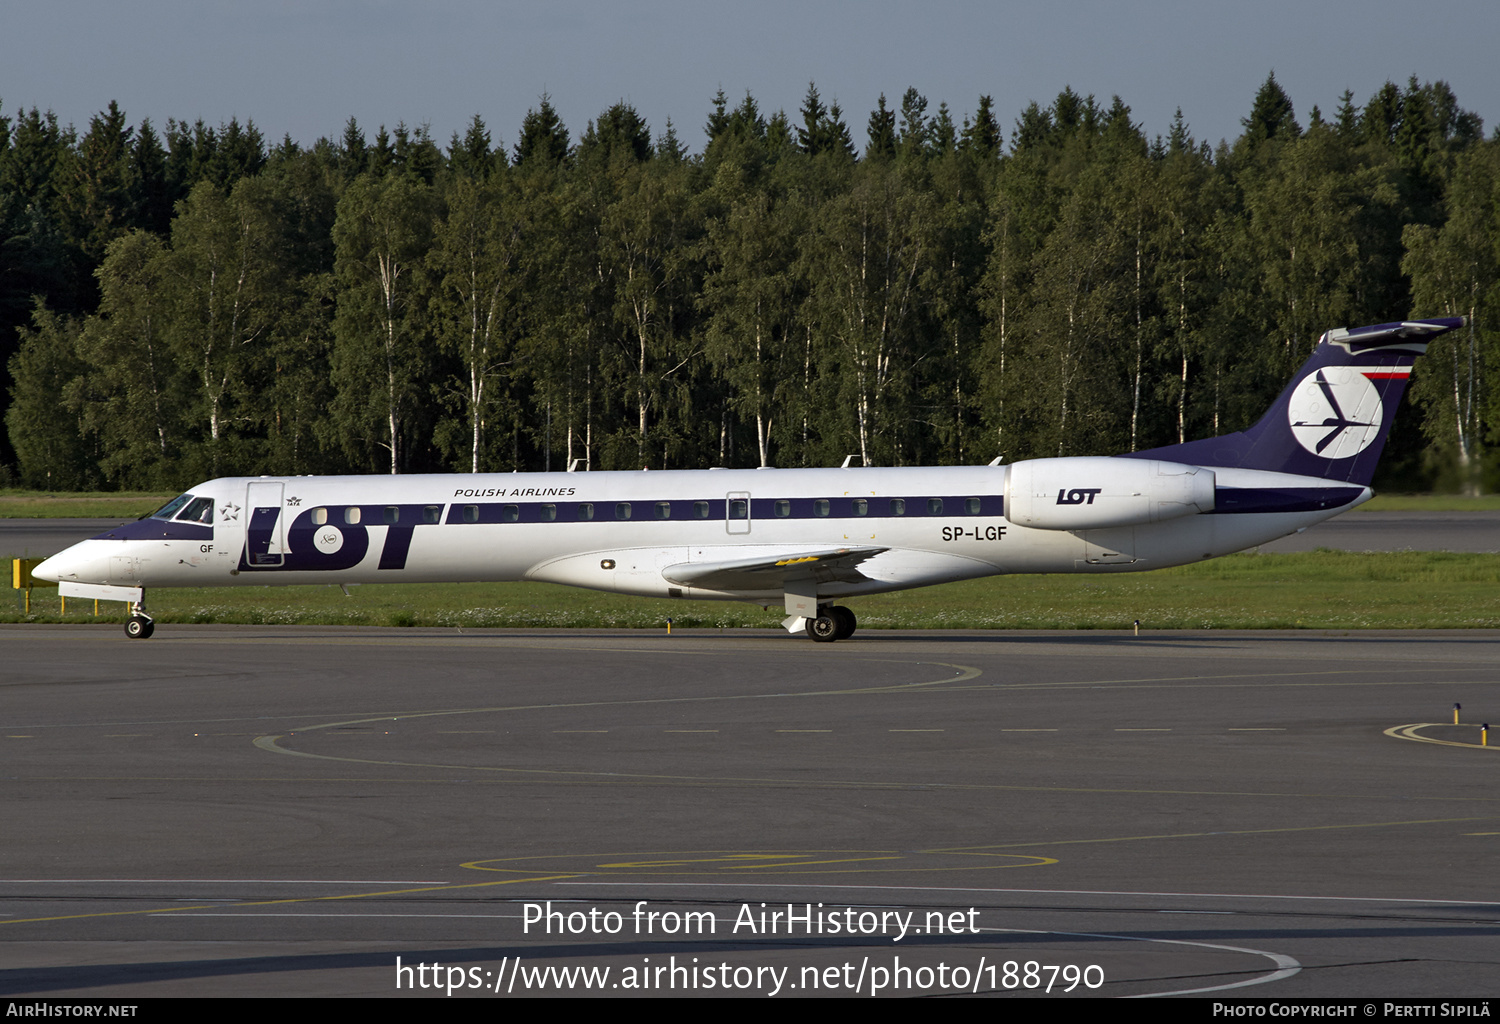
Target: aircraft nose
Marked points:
49	569
82	562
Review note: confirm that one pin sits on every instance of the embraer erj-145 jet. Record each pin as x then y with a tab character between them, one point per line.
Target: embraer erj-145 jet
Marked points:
805	538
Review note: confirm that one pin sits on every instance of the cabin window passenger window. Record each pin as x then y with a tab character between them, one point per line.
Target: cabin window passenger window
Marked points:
861	507
510	513
320	517
432	514
934	506
898	506
471	513
820	507
739	508
622	510
585	512
971	506
700	510
351	515
549	513
392	515
663	510
783	508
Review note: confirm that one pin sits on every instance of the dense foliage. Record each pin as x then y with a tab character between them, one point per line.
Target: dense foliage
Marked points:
177	307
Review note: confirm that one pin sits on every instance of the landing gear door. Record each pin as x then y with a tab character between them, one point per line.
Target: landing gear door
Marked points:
265	533
1108	547
737	512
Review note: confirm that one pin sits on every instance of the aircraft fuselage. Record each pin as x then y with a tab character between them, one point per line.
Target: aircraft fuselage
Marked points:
618	531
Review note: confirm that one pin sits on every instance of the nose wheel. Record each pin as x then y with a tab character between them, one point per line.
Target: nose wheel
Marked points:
833	623
139	626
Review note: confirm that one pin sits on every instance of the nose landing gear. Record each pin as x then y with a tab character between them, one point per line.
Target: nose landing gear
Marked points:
139	626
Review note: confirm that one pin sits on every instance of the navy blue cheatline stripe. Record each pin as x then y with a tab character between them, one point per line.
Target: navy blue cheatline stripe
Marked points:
1244	500
711	509
159	529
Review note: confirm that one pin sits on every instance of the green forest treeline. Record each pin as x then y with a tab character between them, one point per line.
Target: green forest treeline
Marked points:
197	304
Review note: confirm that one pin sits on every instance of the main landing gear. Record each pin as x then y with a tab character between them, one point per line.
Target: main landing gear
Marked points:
834	622
139	626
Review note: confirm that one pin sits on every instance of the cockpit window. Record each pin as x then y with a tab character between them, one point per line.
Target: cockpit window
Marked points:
171	508
199	510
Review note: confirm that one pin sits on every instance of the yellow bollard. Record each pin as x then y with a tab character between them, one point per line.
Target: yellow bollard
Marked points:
669	627
22	580
1455	713
1484	735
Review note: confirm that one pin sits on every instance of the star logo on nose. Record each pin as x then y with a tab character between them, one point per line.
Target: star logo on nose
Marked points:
229	512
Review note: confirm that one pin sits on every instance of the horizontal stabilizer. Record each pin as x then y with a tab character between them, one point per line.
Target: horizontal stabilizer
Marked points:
771	573
1412	332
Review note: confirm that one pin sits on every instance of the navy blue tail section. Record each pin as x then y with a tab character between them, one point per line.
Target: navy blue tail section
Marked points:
1333	418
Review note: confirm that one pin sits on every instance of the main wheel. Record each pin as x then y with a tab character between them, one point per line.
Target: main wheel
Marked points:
846	620
824	629
138	627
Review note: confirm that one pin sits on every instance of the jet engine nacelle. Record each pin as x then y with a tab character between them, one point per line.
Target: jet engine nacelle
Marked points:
1093	493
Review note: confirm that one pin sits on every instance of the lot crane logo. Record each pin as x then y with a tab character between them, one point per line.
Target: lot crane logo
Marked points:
1335	413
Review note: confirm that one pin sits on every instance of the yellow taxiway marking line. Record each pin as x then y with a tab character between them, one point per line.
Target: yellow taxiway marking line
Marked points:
965	673
1409	732
1143	730
980	850
295	899
1028	730
916	730
742	861
1258	680
820	861
689	730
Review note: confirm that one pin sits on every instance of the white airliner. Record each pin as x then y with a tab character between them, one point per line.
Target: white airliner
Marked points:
805	538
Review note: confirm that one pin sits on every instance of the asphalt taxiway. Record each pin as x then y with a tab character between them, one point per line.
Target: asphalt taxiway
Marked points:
231	810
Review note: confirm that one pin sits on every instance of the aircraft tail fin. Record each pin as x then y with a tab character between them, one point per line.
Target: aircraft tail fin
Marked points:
1333	419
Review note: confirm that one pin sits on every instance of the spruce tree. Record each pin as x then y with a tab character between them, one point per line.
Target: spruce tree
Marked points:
544	138
1271	116
881	132
981	137
814	116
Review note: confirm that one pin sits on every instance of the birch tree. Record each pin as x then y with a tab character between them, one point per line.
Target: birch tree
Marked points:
382	235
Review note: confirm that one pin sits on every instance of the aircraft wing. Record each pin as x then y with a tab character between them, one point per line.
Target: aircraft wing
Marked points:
773	573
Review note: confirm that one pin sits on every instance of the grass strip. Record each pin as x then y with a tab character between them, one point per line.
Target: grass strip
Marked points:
1314	590
19	504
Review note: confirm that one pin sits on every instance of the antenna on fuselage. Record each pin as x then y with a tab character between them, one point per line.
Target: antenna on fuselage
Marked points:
850	458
